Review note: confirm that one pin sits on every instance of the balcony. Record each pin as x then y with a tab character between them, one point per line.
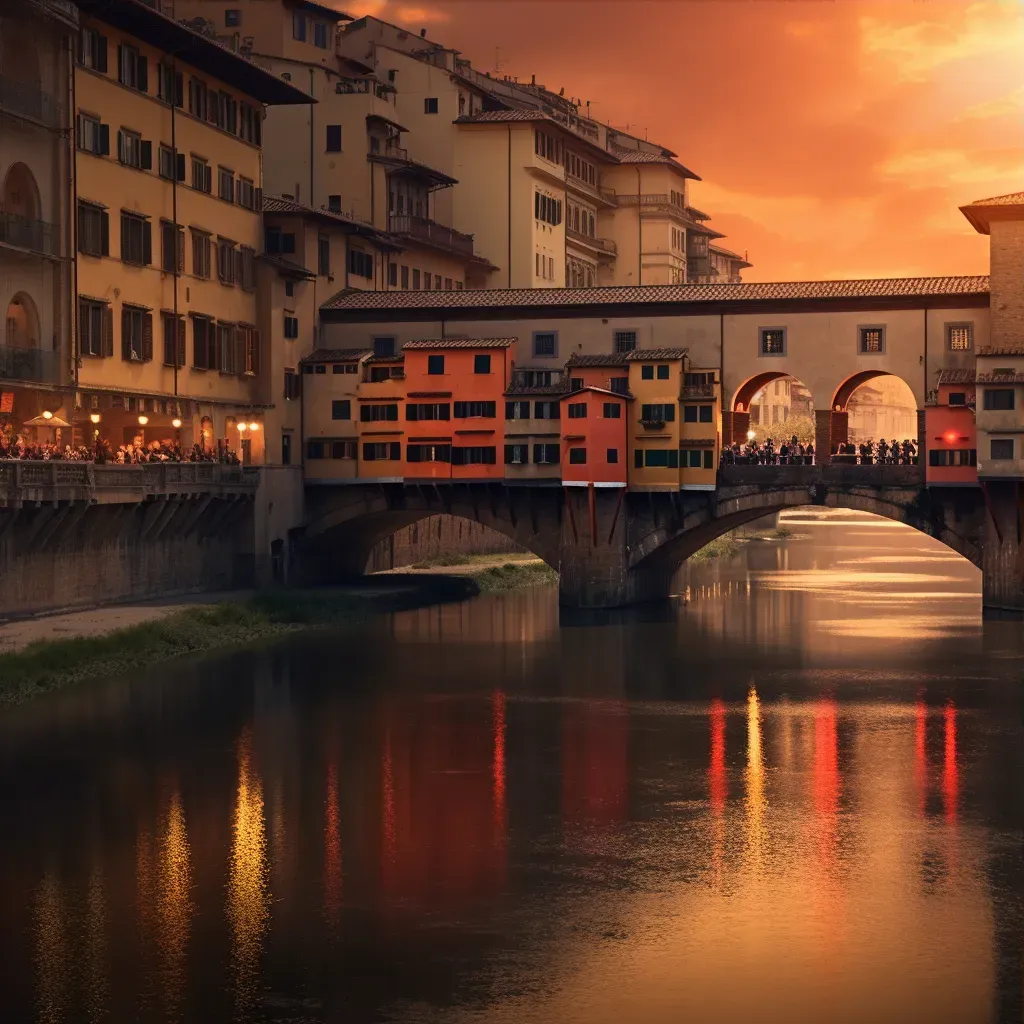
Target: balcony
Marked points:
30	364
698	391
430	232
25	99
653	203
602	245
35	235
595	192
697	246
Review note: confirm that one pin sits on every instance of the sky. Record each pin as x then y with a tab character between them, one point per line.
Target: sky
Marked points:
834	138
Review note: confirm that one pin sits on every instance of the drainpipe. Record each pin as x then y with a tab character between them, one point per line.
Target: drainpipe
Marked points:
311	138
174	212
639	233
72	227
509	193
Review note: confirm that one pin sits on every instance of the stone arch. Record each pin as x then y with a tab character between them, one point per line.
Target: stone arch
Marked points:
846	408
21	323
20	194
19	54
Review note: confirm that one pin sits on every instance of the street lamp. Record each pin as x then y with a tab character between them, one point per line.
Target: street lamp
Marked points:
47	415
176	423
750	435
242	427
253	426
143	420
94	417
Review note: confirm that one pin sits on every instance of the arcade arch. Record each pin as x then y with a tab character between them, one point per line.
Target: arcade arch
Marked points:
21	323
20	195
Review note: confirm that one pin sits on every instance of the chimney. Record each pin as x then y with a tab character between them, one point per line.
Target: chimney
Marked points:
533	79
423	33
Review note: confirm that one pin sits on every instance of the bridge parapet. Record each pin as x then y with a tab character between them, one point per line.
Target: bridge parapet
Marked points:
832	476
60	481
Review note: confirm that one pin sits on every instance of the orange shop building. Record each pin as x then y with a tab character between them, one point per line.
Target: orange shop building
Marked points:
951	432
594	437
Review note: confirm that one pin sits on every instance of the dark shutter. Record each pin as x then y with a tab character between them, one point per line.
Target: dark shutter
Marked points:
146	152
179	90
179	236
258	199
126	338
241	337
207	178
364	413
368	453
396	451
101	53
105	233
107	340
124	236
120	63
179	166
444	412
670	413
254	340
460	410
147	242
458	456
413	453
199	344
538	453
510	453
392	412
104	140
147	336
142	79
411	411
490	409
181	343
490	456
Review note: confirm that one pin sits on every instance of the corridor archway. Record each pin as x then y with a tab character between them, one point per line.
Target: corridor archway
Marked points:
21	323
876	404
20	196
770	404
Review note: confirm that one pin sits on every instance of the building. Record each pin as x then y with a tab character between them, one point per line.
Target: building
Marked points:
594	437
950	445
169	225
330	412
36	241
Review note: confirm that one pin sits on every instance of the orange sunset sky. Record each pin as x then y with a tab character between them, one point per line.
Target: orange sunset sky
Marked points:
835	138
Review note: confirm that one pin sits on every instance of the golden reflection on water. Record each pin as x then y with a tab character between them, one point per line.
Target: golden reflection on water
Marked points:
755	780
174	907
332	851
51	942
718	788
97	990
248	892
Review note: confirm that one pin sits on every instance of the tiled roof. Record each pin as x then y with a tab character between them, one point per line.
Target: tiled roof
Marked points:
1001	350
556	298
639	156
335	355
956	376
493	116
460	343
287	267
1000	378
278	204
598	359
1012	199
386	359
647	354
536	389
978	212
601	391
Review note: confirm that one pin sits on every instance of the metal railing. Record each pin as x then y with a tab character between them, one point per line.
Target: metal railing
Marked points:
698	391
604	244
37	235
430	231
17	474
27	100
29	364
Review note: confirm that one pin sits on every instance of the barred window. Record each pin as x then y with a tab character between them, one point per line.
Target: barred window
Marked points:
624	341
960	337
773	341
872	340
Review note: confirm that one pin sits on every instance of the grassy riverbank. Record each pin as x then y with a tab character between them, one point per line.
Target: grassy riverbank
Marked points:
49	664
494	573
730	543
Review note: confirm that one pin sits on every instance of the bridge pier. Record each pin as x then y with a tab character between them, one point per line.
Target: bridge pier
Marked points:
1002	549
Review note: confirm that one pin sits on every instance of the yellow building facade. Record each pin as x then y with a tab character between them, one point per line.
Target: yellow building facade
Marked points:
168	171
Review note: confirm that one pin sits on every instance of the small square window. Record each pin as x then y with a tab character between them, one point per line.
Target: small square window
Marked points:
320	368
384	347
960	338
341	409
232	18
647	373
705	413
613	456
289	289
624	341
334	138
435	365
689	414
662	373
958	398
482	364
872	340
578	456
773	341
1002	448
545	344
430	105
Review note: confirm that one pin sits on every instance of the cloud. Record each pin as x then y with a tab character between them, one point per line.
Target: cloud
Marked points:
421	15
1004	106
927	167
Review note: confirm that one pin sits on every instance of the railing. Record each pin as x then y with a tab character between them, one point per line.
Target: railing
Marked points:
392	152
605	195
28	100
37	235
697	246
698	391
430	231
653	202
29	364
604	244
20	475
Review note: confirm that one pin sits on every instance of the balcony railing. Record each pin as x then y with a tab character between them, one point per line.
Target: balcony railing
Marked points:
697	246
28	100
604	244
652	202
698	391
37	235
29	364
425	230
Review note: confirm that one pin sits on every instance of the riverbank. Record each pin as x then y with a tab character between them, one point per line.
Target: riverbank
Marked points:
94	643
730	543
491	573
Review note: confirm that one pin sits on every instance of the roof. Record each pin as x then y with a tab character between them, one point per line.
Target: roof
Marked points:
1002	349
956	376
320	9
640	156
654	296
460	343
599	391
387	121
508	116
138	19
598	359
1001	378
982	211
287	267
278	204
536	389
645	354
406	163
335	355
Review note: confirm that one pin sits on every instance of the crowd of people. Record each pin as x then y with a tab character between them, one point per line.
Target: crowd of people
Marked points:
103	452
795	453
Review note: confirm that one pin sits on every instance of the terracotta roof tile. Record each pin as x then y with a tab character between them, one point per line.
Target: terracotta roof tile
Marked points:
639	156
278	204
1012	199
536	389
598	359
460	343
556	298
1005	349
647	354
335	355
956	376
1000	378
625	396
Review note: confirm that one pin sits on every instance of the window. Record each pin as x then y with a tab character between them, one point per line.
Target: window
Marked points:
435	365
250	124
547	209
286	448
393	275
225	261
292	385
227	348
773	341
517	410
697	458
689	414
388	451
958	398
202	175
174	339
378	413
171	165
136	240
384	347
658	413
232	18
341	409
517	454
706	412
998	399
430	105
247	268
578	456
334	138
314	449
872	340
291	327
248	194
299	27
416	279
170	85
545	454
419	411
199	99
93	230
200	254
545	344
953	457
620	385
323	256
342	450
202	343
1001	448
428	452
612	411
360	264
662	373
960	338
405	278
92	135
659	458
226	184
133	152
466	410
136	334
577	410
172	248
249	349
437	282
95	328
612	456
546	411
320	35
624	341
334	203
92	50
482	364
475	456
132	69
647	373
575	383
426	280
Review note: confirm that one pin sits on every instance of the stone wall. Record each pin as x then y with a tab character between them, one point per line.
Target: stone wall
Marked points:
438	537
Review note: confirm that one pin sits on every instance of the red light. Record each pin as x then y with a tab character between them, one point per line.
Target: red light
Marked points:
951	436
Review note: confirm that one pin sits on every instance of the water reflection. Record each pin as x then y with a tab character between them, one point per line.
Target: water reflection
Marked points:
52	963
174	907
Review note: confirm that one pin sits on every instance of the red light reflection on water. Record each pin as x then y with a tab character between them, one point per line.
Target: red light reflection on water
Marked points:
950	771
332	849
920	755
718	782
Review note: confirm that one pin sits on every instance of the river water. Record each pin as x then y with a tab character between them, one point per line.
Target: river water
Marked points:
791	795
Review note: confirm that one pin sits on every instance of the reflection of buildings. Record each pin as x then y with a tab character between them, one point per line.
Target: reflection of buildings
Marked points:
779	401
595	763
883	408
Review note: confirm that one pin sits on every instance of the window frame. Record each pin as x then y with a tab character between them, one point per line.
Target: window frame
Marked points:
1002	441
553	354
862	330
952	325
762	333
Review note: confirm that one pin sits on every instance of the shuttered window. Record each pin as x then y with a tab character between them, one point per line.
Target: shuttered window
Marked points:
136	240
95	328
136	334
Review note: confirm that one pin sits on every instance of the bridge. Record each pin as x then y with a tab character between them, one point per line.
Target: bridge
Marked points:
614	547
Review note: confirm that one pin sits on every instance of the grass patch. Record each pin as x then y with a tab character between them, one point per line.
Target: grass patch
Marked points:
781	533
721	547
441	561
512	576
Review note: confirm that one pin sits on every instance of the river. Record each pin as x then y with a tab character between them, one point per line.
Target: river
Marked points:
792	795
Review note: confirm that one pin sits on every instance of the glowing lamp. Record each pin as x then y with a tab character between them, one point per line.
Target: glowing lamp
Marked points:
47	415
242	427
176	423
253	426
94	416
951	436
143	420
750	435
